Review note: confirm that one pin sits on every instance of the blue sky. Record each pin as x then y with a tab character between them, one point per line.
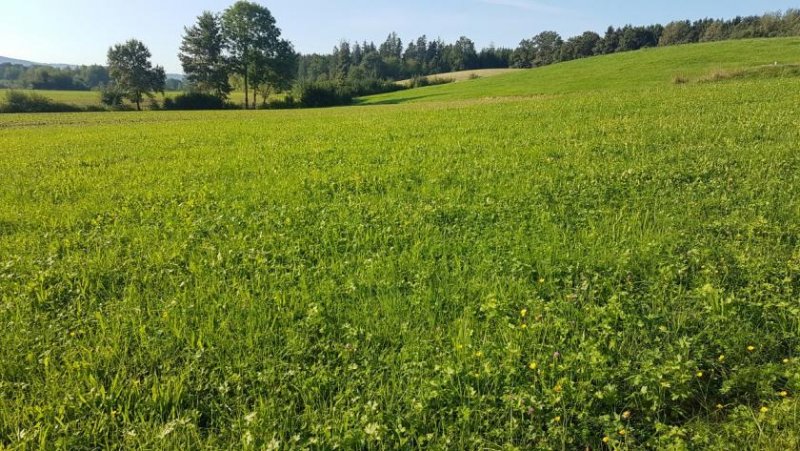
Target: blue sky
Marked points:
80	31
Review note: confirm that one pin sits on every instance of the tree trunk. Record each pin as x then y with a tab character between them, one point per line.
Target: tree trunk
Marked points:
246	91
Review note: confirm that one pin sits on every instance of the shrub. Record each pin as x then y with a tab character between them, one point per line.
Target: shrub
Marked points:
326	94
421	82
112	97
319	95
679	80
286	103
20	102
359	88
153	105
194	101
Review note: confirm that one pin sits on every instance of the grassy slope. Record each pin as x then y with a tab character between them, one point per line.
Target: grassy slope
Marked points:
357	276
648	68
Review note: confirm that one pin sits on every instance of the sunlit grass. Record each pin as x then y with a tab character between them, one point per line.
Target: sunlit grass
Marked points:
567	271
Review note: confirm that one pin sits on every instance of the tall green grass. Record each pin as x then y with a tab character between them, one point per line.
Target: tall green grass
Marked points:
599	269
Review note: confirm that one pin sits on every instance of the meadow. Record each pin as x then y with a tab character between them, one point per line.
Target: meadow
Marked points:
527	261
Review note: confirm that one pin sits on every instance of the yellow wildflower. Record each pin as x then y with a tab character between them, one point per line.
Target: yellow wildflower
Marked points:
626	414
533	365
764	409
479	354
785	360
720	407
751	348
783	394
622	432
721	358
523	313
523	326
699	374
606	439
558	388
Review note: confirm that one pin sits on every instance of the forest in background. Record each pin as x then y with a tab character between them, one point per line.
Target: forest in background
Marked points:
216	64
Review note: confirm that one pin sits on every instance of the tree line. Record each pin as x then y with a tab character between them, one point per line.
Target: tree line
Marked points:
241	49
391	60
548	47
77	78
81	78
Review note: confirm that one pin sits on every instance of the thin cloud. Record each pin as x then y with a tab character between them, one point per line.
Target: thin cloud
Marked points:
526	6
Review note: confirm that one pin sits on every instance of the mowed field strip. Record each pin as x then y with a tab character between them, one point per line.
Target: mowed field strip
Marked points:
584	255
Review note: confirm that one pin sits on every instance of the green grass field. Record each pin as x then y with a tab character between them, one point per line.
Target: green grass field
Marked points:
612	265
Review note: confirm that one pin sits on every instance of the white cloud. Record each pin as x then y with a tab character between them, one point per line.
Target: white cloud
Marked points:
526	6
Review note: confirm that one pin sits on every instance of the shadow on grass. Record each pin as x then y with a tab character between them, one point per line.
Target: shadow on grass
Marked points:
7	228
361	102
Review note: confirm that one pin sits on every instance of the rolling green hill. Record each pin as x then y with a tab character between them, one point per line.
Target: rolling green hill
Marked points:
644	69
584	256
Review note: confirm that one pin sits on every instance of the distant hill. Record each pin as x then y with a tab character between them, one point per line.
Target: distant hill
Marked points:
5	59
650	68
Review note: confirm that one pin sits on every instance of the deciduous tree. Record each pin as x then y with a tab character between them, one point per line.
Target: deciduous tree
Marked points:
202	57
132	72
251	37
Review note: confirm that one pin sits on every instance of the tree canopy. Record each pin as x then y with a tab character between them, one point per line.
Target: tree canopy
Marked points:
132	72
202	56
252	40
